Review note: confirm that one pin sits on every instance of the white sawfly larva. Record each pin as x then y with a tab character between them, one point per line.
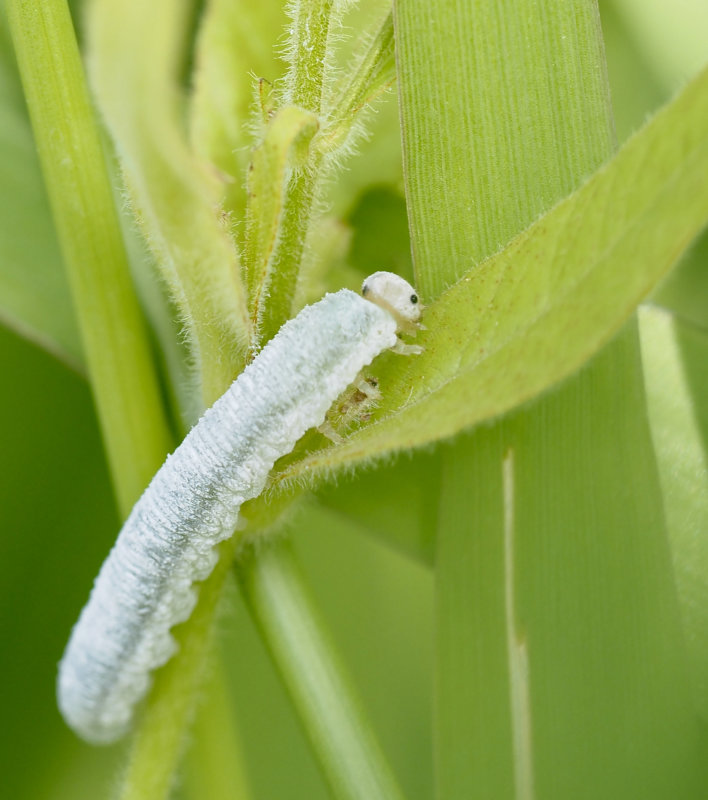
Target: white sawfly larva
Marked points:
145	586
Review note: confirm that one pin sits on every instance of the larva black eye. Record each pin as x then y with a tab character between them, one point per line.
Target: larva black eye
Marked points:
414	298
365	289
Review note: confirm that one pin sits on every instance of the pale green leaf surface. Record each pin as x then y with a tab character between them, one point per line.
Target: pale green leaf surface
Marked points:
527	317
478	129
675	357
34	295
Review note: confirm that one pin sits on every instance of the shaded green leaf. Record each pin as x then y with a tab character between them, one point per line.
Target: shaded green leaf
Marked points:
568	677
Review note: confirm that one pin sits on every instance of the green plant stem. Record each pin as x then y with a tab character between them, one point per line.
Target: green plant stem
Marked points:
308	52
341	737
113	333
286	136
290	248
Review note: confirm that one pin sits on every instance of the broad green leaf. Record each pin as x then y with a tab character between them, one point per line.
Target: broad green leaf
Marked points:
568	680
530	315
675	357
34	295
479	140
135	51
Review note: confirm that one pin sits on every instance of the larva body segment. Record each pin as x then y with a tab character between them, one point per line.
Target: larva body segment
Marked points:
192	503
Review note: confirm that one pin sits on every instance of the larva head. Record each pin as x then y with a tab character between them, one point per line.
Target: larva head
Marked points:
397	296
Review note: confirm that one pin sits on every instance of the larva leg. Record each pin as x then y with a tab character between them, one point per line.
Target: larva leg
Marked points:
369	387
326	429
404	349
352	405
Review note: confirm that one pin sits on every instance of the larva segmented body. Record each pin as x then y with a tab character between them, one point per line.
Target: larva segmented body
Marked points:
168	542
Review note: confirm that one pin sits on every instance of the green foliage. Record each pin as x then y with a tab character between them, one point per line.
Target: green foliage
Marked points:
566	539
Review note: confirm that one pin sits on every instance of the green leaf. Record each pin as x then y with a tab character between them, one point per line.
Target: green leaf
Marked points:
538	631
135	53
565	676
479	140
34	295
529	316
675	357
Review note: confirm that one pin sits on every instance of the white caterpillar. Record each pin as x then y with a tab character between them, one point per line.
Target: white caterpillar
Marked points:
168	541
